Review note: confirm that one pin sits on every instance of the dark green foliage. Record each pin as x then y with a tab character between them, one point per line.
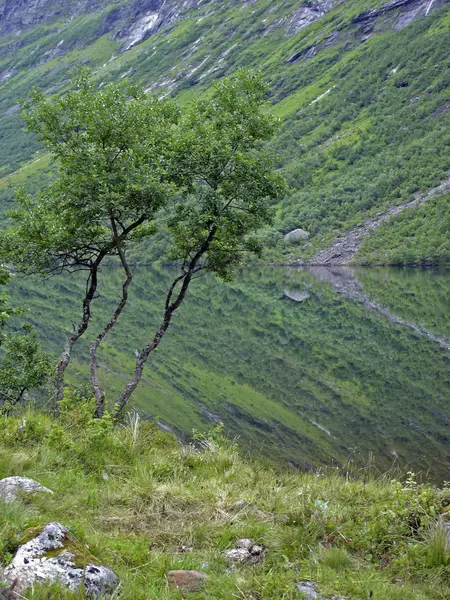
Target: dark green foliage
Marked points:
418	236
111	176
23	366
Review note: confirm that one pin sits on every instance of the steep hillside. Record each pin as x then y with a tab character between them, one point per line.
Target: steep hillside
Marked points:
304	367
361	89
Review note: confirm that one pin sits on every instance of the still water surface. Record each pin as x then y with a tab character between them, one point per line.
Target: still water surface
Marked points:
305	366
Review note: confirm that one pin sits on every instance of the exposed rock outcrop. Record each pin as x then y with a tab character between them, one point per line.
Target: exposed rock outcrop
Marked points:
406	11
11	487
308	13
48	558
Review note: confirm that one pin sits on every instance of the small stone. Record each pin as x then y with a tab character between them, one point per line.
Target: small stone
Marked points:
246	552
188	581
308	589
244	543
10	487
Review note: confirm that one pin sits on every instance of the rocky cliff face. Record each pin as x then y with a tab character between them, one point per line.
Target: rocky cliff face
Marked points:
18	15
133	21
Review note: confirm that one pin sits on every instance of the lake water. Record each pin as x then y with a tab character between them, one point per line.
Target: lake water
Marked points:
304	366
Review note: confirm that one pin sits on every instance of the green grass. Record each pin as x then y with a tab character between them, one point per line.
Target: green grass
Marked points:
143	497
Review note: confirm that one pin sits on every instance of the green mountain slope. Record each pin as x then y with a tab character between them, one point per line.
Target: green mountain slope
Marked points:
298	372
361	89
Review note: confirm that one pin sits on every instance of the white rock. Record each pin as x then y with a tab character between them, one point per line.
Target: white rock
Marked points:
10	486
31	566
308	589
237	555
244	543
246	552
295	236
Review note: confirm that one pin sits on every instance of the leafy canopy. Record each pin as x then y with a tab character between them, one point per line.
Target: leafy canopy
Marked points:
109	147
122	156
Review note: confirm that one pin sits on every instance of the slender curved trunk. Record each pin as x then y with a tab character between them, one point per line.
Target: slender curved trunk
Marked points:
98	392
66	354
83	324
170	308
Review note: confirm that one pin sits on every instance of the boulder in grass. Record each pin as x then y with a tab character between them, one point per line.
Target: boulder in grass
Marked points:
187	581
11	487
53	557
296	236
246	552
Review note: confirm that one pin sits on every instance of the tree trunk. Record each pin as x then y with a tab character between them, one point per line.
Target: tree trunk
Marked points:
98	392
79	330
170	308
90	293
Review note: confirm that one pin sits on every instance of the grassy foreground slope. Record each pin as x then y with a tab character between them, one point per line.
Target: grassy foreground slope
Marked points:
363	101
143	505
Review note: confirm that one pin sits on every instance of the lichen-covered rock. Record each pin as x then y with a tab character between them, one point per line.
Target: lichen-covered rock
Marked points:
295	236
244	543
11	486
309	591
188	581
37	561
245	552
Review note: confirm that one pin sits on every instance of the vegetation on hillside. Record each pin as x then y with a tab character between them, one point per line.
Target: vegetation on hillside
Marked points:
365	121
418	236
276	371
143	504
23	366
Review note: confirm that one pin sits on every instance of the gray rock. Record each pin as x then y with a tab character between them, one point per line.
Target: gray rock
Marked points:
296	295
309	591
31	566
244	543
246	552
11	486
296	236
